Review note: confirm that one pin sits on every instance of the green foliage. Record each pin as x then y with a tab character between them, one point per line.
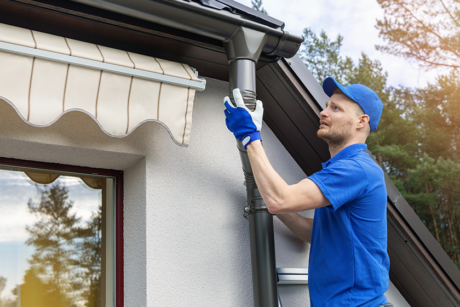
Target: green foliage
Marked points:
418	138
440	123
428	32
322	56
369	73
258	6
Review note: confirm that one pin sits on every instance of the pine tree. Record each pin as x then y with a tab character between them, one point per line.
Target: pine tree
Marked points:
59	240
322	57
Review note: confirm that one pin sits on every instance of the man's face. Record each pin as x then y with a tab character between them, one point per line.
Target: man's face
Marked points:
338	120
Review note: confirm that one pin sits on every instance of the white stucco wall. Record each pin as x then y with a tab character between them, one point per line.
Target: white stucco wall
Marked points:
186	241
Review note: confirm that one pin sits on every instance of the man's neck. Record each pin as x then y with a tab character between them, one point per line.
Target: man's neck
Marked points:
335	149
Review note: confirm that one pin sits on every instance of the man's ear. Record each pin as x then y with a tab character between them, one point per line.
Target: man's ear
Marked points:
363	121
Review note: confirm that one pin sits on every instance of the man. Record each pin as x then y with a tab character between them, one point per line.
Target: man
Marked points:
349	263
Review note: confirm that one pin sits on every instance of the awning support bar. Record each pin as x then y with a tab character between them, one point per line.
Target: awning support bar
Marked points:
122	70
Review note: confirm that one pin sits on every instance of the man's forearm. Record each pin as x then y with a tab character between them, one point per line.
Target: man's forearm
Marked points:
302	227
271	186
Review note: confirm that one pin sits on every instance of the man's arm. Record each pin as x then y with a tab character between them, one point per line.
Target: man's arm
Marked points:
299	225
278	195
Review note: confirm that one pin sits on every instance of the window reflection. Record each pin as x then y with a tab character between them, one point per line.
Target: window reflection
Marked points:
56	239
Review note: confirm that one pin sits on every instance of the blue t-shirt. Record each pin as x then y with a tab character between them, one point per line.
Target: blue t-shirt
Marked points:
349	263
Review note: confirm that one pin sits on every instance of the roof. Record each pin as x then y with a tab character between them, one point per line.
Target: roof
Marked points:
420	268
238	8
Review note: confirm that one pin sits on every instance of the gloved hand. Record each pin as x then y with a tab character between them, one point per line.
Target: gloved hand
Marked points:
244	123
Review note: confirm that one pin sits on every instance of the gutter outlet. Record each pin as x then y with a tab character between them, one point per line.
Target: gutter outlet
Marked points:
243	50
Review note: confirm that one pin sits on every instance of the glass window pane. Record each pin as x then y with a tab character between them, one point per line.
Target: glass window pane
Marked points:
57	239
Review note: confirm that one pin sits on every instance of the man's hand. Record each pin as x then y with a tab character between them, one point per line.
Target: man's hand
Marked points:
244	124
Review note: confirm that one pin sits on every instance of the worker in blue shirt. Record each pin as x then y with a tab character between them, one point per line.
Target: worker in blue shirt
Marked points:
349	264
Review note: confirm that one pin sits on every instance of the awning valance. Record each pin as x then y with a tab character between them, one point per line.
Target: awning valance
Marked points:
44	76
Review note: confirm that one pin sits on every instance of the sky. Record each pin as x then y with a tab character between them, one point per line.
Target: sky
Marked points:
15	191
355	21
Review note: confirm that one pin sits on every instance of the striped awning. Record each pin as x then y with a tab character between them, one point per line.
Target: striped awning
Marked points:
44	76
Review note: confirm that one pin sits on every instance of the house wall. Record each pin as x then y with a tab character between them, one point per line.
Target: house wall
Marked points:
186	241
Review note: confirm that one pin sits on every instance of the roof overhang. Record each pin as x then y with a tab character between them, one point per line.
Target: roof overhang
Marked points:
93	25
203	20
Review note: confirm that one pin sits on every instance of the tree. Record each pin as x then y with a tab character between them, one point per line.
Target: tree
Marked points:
65	249
438	181
53	236
322	57
257	5
427	31
440	123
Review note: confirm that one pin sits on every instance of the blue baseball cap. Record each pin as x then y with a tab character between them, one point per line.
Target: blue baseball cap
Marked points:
362	95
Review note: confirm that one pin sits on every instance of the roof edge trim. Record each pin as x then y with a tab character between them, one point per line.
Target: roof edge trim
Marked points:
195	18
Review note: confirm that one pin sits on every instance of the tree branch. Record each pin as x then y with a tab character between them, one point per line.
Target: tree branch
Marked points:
448	12
442	39
421	58
431	62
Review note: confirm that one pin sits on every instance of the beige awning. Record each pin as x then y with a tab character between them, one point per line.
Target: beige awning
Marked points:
44	76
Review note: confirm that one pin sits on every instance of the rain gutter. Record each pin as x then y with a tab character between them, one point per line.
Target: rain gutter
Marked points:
202	20
244	41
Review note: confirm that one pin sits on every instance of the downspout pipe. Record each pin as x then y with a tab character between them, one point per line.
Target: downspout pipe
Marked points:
243	51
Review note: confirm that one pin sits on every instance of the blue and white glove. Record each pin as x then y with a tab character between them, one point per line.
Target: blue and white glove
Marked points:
244	123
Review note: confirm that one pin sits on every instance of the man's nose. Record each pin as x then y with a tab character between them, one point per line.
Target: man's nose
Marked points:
323	113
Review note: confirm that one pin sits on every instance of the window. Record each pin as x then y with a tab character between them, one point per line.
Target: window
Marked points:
60	236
